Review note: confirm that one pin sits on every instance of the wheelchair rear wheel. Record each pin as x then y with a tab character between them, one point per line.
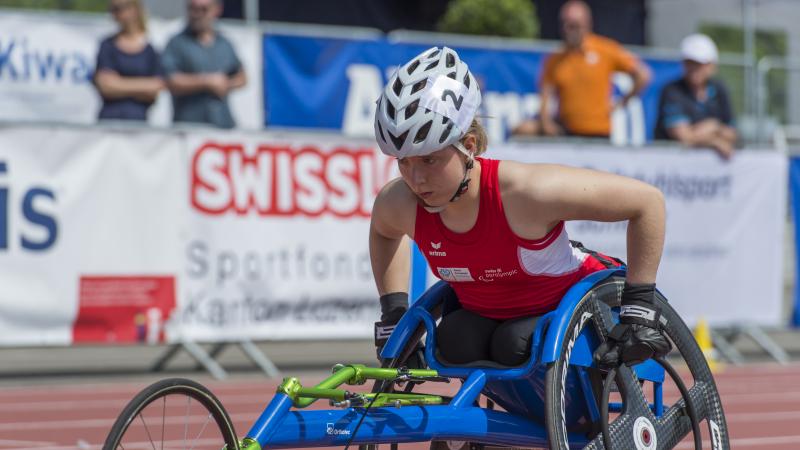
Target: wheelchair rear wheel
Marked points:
636	427
173	413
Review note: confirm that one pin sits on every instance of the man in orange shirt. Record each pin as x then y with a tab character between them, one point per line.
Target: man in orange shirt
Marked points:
579	75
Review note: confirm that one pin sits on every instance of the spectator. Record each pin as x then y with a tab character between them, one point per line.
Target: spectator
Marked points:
202	68
128	74
579	75
695	109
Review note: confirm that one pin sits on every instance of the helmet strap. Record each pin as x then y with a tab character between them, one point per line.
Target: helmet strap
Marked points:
463	186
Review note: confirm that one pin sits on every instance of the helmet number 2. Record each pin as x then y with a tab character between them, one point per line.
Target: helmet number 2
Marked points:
456	101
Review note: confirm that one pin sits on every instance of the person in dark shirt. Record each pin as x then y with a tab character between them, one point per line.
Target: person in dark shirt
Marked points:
128	75
202	68
696	109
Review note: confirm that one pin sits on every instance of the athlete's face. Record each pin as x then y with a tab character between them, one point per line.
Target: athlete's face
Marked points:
434	178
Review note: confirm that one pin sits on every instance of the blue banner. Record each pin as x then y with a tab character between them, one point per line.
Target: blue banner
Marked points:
794	198
332	83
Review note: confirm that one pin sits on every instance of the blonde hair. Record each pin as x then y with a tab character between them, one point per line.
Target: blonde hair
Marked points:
481	140
141	14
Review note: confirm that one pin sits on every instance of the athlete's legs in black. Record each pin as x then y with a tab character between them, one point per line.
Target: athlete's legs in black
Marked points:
464	337
511	341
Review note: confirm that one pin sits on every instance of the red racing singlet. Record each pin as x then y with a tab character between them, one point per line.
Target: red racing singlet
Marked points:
494	272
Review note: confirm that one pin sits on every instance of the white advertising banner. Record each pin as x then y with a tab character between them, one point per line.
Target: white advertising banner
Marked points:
723	255
88	234
143	236
278	237
47	62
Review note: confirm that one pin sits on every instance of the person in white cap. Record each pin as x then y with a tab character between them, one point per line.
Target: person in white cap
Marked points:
696	109
494	230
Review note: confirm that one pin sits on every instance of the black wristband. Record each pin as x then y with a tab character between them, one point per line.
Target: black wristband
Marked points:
393	301
638	305
645	292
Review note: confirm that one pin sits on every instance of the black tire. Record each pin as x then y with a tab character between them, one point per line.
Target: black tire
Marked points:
673	425
188	398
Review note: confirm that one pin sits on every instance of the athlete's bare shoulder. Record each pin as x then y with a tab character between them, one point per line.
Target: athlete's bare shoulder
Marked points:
524	181
394	210
527	190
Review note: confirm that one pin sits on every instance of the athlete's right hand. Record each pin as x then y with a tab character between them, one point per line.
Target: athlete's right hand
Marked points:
384	328
393	307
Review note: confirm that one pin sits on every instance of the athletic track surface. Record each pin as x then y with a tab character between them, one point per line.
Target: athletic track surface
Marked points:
762	404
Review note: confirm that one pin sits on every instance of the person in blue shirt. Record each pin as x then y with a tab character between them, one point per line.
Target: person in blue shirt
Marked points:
202	68
696	109
128	75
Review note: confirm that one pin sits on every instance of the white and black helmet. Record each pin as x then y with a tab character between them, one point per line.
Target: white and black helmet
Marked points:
428	104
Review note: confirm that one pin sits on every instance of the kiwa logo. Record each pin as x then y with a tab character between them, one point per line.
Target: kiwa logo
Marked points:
23	63
287	181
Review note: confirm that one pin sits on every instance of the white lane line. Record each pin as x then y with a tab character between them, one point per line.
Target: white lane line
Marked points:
762	416
137	445
16	443
756	442
106	423
85	405
760	398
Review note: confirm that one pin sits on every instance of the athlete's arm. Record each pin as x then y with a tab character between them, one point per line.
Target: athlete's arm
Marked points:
393	216
565	193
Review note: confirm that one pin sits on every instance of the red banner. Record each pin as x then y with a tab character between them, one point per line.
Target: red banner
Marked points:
125	309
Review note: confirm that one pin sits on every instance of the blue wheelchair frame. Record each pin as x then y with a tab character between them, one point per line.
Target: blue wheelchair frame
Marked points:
519	390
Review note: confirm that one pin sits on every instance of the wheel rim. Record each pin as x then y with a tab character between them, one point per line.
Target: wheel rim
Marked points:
636	427
173	414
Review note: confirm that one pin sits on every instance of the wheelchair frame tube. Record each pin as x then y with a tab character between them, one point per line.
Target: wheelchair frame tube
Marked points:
331	428
270	419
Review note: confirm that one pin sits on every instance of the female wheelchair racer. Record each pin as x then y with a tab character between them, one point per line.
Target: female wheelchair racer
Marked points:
538	324
494	231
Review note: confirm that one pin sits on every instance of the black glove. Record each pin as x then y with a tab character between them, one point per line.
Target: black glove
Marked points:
393	306
637	337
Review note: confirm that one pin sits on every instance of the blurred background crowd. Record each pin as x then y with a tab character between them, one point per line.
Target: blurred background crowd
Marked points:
260	114
738	58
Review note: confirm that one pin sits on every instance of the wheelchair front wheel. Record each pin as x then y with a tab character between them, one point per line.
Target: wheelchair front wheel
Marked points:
173	413
636	426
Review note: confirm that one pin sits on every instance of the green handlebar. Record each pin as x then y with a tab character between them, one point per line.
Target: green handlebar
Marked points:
357	374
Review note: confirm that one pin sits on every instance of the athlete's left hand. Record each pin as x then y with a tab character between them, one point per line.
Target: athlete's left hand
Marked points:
638	337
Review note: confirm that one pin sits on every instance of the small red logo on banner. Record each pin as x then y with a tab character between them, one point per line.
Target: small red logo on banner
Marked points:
124	308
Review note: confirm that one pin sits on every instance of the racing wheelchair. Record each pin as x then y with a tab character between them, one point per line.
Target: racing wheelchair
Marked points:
558	399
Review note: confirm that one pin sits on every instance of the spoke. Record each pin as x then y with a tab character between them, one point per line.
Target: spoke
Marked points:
186	423
603	318
635	402
163	418
141	416
201	431
673	426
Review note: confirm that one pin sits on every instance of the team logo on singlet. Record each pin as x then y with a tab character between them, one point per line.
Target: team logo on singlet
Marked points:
454	274
436	246
490	275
